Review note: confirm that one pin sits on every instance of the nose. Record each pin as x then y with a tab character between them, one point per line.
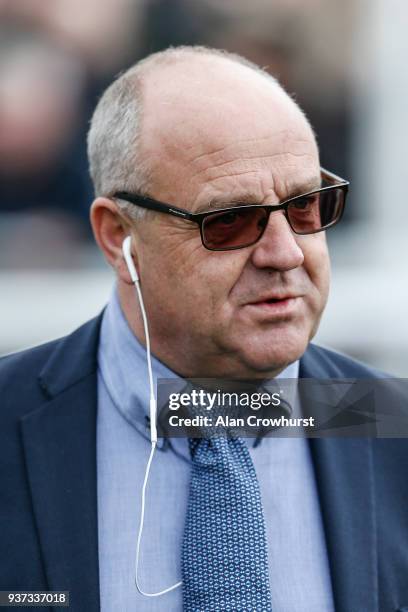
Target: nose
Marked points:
277	249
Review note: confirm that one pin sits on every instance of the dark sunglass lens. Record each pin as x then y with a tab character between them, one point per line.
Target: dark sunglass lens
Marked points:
317	211
234	228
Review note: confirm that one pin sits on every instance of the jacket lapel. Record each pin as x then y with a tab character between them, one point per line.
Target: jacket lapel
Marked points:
59	441
344	477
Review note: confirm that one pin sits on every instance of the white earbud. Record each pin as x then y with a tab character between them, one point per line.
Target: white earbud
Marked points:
127	254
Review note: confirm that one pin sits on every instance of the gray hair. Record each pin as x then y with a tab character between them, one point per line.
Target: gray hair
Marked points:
114	137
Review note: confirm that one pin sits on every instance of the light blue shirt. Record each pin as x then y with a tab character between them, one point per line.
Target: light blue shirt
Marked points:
298	564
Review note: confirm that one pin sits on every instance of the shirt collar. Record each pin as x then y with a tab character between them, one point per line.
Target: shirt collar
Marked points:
123	367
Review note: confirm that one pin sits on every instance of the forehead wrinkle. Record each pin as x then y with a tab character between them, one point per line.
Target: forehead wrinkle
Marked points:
240	160
209	155
286	186
280	137
296	148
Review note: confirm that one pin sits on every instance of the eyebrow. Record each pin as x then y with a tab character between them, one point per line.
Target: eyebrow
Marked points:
311	184
249	198
219	203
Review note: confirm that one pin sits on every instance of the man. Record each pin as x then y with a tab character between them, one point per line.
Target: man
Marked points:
232	294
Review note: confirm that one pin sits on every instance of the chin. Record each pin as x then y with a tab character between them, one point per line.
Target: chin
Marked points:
274	352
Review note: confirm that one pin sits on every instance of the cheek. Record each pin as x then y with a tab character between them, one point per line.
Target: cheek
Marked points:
191	284
317	265
209	280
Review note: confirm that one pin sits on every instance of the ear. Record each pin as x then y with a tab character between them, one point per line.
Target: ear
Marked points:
110	228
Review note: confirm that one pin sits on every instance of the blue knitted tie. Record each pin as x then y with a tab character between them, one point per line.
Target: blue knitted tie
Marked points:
224	556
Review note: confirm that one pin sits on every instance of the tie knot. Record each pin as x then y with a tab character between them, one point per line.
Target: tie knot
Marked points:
221	453
207	446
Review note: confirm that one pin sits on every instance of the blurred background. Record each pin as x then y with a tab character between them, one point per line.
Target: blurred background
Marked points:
345	63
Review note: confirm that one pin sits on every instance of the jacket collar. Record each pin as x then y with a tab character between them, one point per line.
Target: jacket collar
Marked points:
74	358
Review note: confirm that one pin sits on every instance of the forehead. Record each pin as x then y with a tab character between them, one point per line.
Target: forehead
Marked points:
206	120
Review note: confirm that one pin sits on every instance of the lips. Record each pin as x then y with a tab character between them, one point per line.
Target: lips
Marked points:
273	299
275	306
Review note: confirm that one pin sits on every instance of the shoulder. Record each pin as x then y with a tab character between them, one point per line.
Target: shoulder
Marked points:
19	384
320	362
17	365
25	377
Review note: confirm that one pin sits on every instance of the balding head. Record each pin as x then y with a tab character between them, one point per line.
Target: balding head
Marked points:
168	100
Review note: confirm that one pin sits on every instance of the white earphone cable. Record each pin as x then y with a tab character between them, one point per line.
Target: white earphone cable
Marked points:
153	416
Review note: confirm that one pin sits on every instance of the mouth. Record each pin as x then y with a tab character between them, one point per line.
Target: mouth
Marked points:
274	299
275	305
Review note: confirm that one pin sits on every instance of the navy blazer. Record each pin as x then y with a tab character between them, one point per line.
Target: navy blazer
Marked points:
48	500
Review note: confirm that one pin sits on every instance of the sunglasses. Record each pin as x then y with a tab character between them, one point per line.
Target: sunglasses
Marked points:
240	226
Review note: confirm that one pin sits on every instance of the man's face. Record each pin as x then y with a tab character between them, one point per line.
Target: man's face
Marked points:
219	139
